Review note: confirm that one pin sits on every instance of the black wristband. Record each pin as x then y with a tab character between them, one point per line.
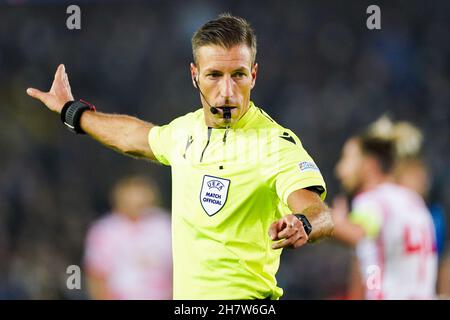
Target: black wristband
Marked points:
306	225
64	110
71	114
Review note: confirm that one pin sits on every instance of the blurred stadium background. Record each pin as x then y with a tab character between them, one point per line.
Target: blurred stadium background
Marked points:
322	73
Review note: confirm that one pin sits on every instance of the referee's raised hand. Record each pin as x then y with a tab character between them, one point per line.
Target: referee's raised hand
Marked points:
59	93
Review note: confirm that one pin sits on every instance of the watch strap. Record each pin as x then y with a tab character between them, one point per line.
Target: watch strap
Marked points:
306	224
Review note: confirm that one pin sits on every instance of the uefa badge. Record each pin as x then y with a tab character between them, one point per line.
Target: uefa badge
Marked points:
213	194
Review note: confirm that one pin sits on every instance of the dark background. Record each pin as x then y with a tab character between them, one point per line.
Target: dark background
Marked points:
322	73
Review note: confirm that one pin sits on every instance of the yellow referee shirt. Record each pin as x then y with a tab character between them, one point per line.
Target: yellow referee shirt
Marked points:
228	186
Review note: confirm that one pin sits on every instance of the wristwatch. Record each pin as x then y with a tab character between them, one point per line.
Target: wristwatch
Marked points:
71	114
306	225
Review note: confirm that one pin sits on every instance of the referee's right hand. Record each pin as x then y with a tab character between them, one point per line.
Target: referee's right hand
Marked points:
59	93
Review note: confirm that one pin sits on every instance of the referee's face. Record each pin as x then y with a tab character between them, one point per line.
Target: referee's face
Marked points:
226	78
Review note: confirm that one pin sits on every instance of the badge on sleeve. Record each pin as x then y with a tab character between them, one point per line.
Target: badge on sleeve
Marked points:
307	166
213	194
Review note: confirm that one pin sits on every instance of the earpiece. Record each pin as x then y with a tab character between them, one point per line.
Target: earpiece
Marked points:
211	108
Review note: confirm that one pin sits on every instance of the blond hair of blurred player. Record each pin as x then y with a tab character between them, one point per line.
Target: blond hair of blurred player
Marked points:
128	252
389	225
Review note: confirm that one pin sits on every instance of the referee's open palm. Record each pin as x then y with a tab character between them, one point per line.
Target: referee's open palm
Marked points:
59	93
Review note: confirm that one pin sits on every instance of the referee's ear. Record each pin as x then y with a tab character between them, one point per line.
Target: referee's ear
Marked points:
194	75
254	72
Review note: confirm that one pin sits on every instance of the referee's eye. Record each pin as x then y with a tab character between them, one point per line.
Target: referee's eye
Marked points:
239	75
213	75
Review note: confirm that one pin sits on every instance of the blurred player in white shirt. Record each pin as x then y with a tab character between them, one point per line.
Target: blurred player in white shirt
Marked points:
412	173
128	252
389	225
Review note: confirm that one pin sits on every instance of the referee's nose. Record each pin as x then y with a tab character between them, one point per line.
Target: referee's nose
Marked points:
226	88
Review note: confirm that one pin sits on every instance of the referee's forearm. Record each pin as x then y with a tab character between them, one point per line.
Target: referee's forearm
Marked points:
124	134
321	221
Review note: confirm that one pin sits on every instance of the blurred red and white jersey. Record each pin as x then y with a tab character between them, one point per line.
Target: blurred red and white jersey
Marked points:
398	257
134	257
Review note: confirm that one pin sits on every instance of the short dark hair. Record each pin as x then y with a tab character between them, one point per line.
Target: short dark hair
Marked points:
383	150
226	31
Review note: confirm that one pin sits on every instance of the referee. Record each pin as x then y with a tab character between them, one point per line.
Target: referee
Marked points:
243	186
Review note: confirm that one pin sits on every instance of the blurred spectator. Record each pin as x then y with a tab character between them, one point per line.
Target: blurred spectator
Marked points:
128	252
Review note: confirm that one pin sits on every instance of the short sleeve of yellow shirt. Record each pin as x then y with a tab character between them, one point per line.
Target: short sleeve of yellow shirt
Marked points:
164	139
156	138
294	168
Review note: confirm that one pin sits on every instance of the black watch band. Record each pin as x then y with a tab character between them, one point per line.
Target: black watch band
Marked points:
306	225
71	114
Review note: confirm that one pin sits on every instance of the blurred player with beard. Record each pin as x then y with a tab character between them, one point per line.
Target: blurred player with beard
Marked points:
389	225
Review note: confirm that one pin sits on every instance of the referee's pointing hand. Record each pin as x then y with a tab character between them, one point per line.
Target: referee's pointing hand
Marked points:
290	231
59	93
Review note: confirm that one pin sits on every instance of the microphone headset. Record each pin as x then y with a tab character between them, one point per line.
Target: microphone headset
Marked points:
214	110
